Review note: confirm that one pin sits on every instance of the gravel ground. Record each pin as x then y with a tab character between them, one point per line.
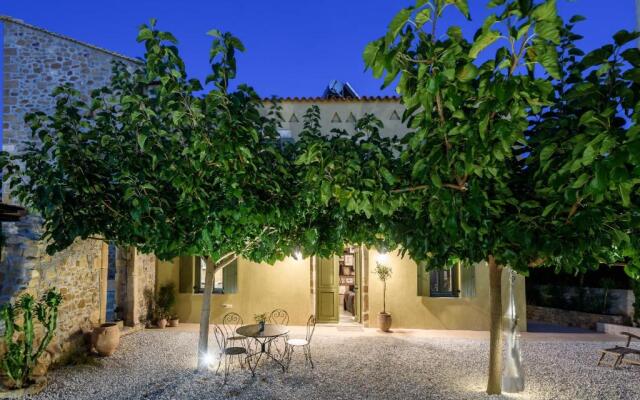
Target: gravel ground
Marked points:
159	365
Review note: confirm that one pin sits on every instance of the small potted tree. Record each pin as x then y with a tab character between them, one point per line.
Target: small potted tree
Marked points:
164	304
384	319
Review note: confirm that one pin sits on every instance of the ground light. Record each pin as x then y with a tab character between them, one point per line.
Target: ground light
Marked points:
208	359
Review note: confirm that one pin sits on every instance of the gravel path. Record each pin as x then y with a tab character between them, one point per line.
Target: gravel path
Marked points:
159	365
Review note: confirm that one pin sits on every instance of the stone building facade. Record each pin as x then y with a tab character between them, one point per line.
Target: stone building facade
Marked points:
36	61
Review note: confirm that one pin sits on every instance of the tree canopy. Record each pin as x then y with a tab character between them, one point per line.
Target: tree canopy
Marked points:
148	162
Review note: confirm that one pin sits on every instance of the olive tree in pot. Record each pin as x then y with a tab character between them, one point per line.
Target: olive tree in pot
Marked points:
22	347
166	303
384	319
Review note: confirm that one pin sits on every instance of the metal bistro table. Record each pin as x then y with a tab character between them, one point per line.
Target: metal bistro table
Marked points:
270	333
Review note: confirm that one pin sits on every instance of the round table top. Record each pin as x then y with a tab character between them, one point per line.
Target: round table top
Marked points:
270	330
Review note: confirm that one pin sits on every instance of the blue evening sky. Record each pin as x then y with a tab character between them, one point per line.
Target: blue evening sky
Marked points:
294	47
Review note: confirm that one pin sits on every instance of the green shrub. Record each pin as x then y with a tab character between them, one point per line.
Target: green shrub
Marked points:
22	353
166	301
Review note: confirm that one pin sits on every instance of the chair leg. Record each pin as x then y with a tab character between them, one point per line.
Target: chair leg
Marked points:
289	356
308	348
601	358
219	363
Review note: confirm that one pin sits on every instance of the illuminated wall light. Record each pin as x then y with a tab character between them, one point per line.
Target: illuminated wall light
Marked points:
382	257
297	254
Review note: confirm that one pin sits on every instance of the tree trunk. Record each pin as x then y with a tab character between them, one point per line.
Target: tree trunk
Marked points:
494	385
203	339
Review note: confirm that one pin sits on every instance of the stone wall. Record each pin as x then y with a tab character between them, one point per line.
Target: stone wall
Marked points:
571	318
35	62
76	272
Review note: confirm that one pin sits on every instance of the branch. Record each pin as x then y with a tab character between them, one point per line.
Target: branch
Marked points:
536	263
461	188
573	211
219	266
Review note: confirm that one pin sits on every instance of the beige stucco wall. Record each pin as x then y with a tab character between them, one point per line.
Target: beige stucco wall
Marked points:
261	289
409	310
383	109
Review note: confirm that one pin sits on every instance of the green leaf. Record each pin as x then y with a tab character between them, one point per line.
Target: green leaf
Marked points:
623	37
547	152
467	73
142	139
387	176
582	179
548	31
461	5
546	11
483	41
549	208
625	193
435	179
144	34
419	168
396	24
422	17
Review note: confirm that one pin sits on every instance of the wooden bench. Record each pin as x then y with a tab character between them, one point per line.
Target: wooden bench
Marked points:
619	352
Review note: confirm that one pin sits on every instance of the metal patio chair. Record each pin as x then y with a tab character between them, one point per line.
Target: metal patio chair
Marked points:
227	353
279	316
230	322
305	344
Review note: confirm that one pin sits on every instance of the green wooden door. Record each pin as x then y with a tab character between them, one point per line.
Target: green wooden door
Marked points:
327	293
358	286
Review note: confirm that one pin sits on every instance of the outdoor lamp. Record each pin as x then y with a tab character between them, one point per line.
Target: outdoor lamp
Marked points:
297	254
208	359
383	256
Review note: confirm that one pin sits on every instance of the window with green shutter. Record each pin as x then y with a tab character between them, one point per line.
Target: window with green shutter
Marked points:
192	276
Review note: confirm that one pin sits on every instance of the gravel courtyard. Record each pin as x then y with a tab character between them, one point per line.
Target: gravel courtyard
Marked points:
154	364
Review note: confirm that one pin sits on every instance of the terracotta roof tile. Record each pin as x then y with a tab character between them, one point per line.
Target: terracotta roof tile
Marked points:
319	99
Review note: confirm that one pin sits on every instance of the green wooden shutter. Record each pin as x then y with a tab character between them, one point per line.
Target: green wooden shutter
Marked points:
423	280
230	277
197	275
468	279
186	274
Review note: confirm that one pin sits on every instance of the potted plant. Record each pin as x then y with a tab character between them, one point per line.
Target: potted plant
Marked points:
22	347
119	320
167	301
384	319
261	319
164	303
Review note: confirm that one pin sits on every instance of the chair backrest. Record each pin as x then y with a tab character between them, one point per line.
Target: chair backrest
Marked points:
279	317
221	339
230	322
311	327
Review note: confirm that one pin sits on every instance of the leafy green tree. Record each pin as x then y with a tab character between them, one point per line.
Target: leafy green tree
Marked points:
583	163
148	162
458	167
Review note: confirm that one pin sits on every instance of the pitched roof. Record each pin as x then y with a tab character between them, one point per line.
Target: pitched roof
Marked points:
6	18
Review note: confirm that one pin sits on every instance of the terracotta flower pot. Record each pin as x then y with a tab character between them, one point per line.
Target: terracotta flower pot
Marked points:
384	321
106	338
174	322
162	323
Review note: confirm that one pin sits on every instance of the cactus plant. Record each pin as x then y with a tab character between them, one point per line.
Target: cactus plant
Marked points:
21	352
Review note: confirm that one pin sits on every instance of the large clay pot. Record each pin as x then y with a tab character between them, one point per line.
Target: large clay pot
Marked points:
174	322
384	322
162	323
106	338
